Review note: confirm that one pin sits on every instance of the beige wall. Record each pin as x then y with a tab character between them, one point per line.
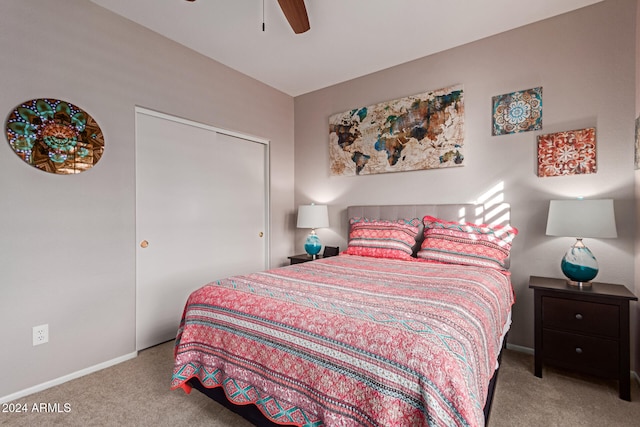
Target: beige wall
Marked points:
636	313
67	251
585	63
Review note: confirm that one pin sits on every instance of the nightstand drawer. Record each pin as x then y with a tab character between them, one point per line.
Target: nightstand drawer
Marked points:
581	316
590	355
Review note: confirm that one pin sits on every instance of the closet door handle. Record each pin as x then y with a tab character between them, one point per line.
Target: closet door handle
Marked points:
579	316
144	244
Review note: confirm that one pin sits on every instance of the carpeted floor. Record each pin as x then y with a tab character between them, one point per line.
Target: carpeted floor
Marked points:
136	393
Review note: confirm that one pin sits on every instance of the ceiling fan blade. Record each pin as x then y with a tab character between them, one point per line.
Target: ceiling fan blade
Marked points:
296	14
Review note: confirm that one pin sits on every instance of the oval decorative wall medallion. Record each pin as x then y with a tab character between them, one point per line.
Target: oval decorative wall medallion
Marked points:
54	136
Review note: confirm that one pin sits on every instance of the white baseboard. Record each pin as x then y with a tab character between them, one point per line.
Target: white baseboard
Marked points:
520	348
66	378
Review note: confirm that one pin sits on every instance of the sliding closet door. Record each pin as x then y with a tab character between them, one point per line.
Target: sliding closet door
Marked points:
201	215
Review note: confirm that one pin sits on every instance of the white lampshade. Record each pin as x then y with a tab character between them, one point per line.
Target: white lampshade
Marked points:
313	216
581	218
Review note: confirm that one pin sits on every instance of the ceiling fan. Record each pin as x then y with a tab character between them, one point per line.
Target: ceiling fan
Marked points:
296	14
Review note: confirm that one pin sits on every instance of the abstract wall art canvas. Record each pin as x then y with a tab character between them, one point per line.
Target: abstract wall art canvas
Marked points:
517	112
424	131
567	153
54	136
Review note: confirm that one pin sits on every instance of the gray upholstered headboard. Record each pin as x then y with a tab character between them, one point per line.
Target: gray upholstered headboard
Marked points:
454	212
466	212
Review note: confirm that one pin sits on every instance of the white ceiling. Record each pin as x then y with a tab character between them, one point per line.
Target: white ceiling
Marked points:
347	39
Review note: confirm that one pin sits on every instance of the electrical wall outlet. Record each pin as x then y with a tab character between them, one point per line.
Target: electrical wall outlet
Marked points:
40	334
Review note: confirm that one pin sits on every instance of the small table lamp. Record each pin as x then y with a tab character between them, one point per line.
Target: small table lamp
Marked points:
579	219
313	216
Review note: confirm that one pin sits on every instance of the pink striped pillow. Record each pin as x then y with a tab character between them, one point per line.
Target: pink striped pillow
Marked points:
383	239
465	243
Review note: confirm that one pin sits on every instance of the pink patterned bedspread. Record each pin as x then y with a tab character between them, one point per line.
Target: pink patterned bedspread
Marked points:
350	341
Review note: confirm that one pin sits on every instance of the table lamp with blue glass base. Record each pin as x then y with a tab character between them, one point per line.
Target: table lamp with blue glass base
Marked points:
313	216
583	218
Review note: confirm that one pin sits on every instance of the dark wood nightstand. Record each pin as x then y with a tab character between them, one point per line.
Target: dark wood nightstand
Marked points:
299	259
584	330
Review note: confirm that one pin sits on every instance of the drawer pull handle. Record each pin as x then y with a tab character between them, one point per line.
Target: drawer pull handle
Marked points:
578	350
579	316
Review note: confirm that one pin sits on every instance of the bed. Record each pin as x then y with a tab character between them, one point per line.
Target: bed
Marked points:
404	328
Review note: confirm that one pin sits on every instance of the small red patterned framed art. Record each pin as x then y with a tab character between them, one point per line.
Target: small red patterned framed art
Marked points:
567	153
